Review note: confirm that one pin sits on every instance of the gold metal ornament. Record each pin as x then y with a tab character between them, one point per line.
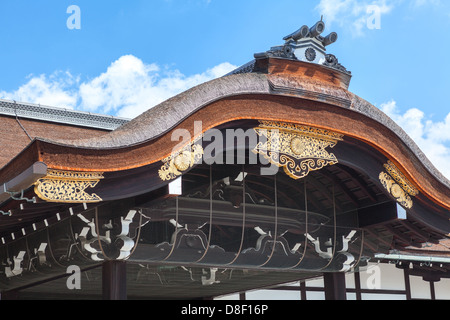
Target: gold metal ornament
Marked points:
298	149
395	182
68	186
181	161
400	178
297	146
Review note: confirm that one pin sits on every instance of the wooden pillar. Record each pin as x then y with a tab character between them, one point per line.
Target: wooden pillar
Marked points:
114	280
303	291
407	284
432	290
335	288
357	276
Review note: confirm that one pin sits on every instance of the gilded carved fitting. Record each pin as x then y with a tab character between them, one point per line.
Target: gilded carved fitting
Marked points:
395	182
298	149
181	161
400	178
68	186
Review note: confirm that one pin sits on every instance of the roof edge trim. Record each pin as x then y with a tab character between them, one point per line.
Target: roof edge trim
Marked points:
60	115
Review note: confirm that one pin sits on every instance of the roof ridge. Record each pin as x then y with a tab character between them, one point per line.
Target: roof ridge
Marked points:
60	115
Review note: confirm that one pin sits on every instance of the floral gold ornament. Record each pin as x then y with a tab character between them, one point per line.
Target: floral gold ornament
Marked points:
298	149
400	178
181	161
68	186
297	146
395	182
396	191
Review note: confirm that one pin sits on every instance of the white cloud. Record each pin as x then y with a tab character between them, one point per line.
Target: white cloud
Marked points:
358	16
433	138
127	88
421	3
130	87
54	90
125	83
354	14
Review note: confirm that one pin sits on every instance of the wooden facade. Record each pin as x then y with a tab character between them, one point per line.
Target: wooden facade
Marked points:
178	203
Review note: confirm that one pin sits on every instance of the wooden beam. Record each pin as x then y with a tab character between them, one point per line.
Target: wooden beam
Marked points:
378	214
328	194
360	182
10	295
377	237
342	186
418	232
406	239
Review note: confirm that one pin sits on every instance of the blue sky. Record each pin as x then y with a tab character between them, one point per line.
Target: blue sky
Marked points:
130	55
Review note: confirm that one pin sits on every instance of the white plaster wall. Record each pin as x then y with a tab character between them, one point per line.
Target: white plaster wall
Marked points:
420	289
376	276
382	276
442	289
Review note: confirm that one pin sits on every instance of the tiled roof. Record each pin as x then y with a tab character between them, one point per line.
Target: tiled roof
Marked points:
60	115
20	123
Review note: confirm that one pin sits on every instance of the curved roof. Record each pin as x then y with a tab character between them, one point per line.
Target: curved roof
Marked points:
294	81
159	120
269	88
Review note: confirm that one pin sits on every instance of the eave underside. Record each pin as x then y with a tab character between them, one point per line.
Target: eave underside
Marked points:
224	112
128	166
